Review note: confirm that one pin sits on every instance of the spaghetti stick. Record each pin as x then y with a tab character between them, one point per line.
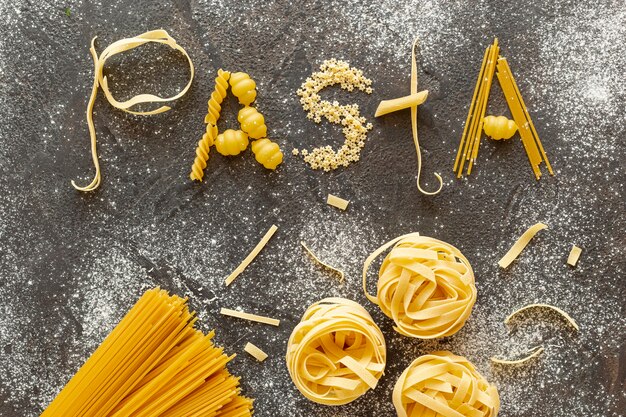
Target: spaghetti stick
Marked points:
472	105
244	264
530	121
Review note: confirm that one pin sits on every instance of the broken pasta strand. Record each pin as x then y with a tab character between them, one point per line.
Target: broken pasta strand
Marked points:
100	81
414	127
324	264
520	244
567	317
534	352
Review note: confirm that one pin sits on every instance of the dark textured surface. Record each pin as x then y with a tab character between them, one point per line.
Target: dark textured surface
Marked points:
71	264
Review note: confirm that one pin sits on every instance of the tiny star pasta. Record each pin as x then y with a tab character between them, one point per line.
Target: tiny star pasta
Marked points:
336	353
444	385
425	285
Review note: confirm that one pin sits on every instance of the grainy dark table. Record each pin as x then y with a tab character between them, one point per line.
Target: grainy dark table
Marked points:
72	264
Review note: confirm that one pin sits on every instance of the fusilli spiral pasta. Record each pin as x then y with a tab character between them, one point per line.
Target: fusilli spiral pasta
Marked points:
267	153
202	153
252	122
425	285
499	127
231	142
243	87
217	97
445	385
336	353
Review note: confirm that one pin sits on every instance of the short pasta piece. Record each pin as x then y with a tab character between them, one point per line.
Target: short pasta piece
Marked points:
425	285
202	153
340	203
243	87
499	127
252	122
574	254
520	244
231	142
336	353
255	351
446	385
217	97
267	153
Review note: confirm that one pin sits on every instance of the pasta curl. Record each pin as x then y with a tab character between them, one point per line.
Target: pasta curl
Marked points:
243	87
445	385
336	353
231	142
499	127
217	97
202	153
267	153
252	122
425	285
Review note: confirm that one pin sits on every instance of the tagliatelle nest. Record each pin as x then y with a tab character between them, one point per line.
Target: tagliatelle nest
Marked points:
425	285
336	353
445	385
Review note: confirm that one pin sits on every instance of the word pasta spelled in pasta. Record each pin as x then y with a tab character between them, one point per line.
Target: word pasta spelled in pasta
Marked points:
336	353
446	385
425	285
334	72
154	363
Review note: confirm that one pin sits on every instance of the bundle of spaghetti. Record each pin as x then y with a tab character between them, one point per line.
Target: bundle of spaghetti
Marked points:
153	363
527	131
472	132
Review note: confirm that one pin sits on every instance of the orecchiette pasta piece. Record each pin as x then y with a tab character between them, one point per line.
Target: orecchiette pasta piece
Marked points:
231	142
252	122
243	87
267	153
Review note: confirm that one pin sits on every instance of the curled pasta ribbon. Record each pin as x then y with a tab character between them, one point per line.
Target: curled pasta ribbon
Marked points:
336	353
499	127
231	142
267	153
202	152
425	285
217	97
100	81
414	127
252	122
446	385
243	87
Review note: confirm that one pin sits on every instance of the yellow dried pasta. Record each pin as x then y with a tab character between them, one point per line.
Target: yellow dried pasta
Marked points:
252	122
444	385
336	353
243	87
520	244
499	127
100	81
231	142
425	285
267	153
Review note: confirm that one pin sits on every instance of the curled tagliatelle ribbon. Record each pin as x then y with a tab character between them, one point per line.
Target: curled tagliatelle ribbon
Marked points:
425	285
336	353
100	81
446	385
